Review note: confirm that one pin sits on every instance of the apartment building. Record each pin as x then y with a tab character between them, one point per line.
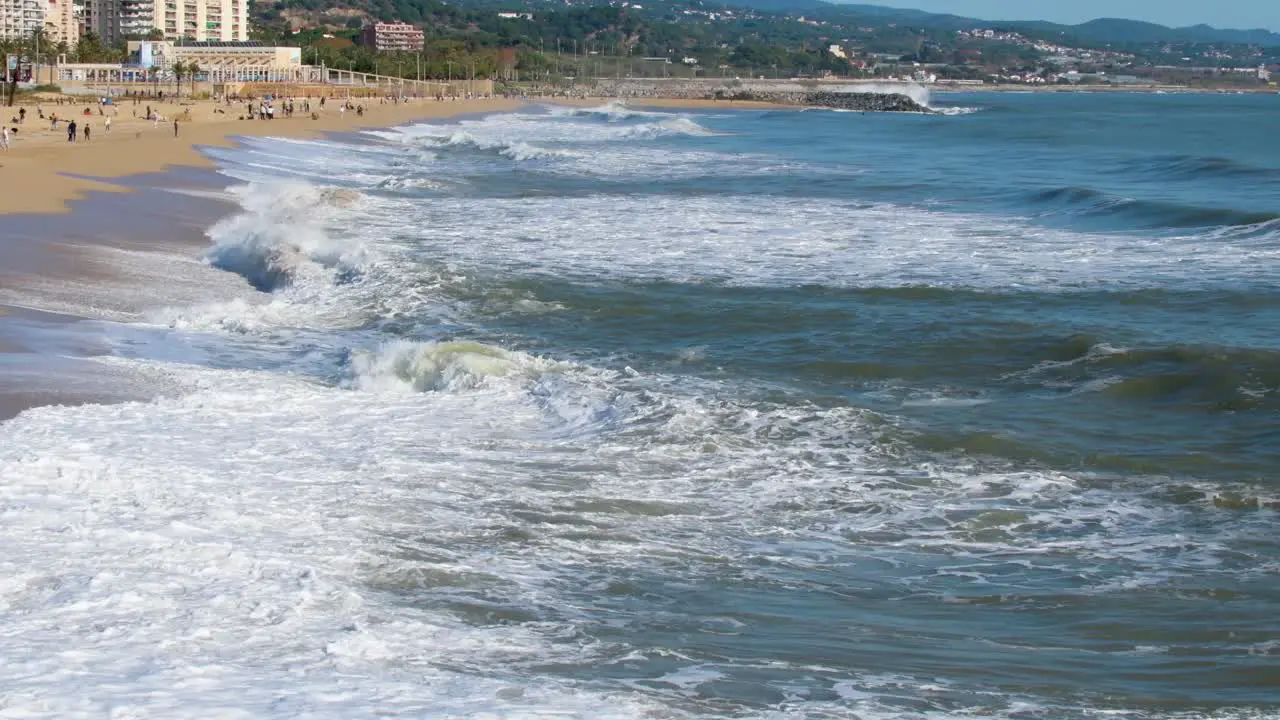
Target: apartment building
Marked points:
102	18
385	37
62	22
20	18
201	20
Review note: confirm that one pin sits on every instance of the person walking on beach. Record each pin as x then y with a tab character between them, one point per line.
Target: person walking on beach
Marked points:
175	127
86	132
71	131
22	115
107	124
4	138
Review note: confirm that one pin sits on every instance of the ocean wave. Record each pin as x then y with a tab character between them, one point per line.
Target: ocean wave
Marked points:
672	126
264	527
614	111
737	240
1199	166
1084	201
437	366
1204	378
518	150
278	237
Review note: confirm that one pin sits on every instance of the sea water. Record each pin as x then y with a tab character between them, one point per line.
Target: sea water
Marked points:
615	412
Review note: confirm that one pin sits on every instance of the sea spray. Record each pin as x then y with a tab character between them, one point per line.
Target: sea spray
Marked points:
278	237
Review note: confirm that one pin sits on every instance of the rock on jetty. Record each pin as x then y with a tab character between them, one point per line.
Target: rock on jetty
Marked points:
858	101
843	96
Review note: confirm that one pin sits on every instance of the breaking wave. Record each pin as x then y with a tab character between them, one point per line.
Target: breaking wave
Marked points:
518	150
437	366
278	237
614	111
672	126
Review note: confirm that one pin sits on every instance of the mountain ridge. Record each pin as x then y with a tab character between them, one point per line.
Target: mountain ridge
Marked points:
1099	30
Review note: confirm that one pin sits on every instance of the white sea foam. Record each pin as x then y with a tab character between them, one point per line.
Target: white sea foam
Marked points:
442	528
189	588
737	240
956	110
251	546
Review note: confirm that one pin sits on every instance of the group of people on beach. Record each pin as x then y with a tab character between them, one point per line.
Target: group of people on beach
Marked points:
264	109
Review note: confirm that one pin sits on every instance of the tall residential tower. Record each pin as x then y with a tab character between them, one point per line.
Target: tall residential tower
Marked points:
217	20
60	20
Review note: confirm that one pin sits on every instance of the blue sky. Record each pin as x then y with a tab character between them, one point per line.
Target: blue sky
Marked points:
1222	13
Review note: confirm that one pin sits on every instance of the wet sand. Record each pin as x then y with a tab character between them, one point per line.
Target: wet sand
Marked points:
65	278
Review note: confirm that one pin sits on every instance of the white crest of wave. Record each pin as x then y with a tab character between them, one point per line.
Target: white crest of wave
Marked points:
279	237
613	111
514	149
441	366
672	126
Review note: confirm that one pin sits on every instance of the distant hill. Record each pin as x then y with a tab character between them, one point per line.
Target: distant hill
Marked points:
1121	31
1103	31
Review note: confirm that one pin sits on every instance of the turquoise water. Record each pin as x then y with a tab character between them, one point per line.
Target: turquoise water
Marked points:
618	412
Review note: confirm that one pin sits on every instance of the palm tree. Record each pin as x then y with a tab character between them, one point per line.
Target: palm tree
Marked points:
179	72
192	69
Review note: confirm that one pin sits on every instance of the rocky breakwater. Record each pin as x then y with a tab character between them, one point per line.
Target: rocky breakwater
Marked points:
856	101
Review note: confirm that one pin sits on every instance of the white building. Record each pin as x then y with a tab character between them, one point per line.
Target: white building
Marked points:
201	20
20	19
221	62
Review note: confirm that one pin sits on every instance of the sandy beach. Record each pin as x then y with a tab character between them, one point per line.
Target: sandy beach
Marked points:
41	171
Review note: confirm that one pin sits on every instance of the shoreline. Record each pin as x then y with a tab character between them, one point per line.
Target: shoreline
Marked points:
49	172
97	233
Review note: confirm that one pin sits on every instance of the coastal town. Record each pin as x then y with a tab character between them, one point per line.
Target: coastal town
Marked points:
217	46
